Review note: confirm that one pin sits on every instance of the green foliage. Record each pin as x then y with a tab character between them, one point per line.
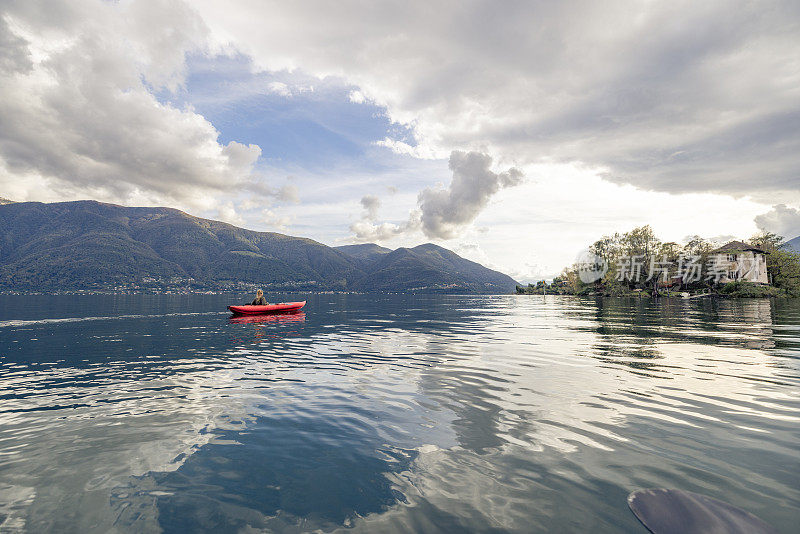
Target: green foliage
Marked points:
783	264
640	241
750	290
698	246
783	268
767	241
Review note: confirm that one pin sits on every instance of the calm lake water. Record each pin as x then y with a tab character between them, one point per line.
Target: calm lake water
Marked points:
391	413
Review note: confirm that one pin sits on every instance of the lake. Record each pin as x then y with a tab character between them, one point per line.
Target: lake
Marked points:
398	413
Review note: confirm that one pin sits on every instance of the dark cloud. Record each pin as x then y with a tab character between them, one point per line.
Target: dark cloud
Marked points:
782	220
371	204
14	54
285	193
674	96
289	193
445	211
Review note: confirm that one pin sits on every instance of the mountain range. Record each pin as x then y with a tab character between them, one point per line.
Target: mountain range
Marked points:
793	244
92	245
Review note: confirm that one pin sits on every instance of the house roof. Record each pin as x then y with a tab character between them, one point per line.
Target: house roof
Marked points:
738	246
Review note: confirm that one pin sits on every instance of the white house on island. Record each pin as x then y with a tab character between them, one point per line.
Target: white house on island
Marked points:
740	262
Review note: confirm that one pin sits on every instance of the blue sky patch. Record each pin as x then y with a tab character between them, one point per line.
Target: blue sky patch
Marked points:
296	119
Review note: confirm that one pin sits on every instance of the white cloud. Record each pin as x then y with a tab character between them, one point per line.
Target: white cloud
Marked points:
227	213
79	114
275	220
418	151
366	231
782	220
288	91
673	96
279	88
357	97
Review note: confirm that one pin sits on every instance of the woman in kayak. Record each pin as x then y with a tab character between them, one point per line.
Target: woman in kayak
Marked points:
259	300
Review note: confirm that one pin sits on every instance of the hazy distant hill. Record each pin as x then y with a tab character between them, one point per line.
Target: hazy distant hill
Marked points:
5	201
413	269
87	244
793	244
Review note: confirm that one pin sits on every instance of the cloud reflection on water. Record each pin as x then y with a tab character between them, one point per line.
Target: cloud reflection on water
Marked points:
467	413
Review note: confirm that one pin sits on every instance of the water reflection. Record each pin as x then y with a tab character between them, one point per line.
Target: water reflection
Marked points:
396	414
316	469
279	318
261	324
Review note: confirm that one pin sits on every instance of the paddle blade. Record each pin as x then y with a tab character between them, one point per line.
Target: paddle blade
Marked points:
669	511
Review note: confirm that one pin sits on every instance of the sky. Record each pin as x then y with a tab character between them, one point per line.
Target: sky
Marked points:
514	133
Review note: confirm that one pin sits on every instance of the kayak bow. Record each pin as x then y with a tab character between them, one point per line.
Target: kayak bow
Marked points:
283	307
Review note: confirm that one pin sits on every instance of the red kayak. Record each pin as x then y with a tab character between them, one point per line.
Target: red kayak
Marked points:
283	307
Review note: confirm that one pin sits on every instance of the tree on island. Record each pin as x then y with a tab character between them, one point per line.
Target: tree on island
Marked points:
783	265
783	268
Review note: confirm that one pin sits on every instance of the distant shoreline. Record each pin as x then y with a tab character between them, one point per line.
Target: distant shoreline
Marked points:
232	291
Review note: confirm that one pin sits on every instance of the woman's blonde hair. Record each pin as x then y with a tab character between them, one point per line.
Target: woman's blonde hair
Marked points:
259	292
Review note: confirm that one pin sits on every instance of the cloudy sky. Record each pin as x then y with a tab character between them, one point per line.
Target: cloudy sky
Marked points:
514	133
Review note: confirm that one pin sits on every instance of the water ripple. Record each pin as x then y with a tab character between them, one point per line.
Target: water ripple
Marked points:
435	414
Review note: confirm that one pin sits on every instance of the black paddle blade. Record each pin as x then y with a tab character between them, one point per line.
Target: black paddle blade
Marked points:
669	511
